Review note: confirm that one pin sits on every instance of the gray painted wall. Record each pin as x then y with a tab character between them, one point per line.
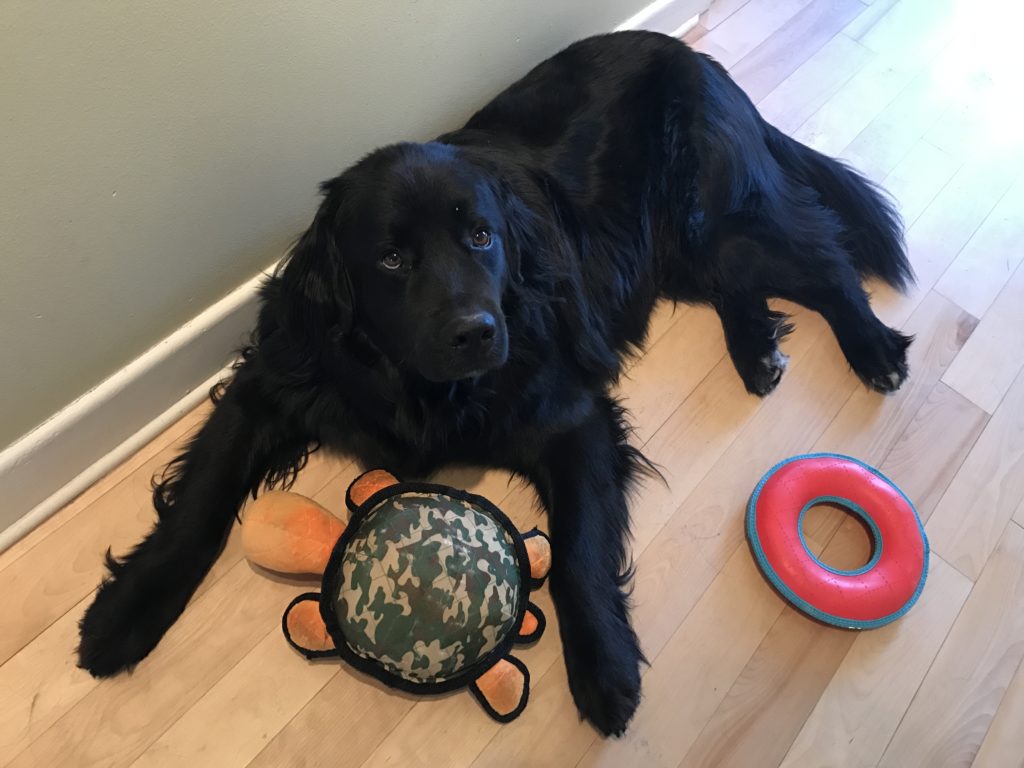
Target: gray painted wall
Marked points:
155	155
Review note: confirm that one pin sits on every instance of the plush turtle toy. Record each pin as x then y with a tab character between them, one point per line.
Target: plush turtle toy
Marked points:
426	589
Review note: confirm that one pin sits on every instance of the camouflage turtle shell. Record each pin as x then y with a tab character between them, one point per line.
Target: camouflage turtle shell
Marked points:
429	584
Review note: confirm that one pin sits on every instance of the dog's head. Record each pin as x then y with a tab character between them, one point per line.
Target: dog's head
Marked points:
412	247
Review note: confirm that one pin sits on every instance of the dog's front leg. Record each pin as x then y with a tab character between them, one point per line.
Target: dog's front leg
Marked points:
583	481
148	589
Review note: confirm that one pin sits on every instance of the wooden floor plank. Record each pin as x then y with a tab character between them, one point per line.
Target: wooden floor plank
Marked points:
974	279
944	429
42	585
905	40
813	83
1004	742
970	518
858	711
66	700
869	424
250	704
670	370
719	11
747	28
915	29
695	33
339	727
664	317
853	107
550	737
761	70
40	683
896	129
116	721
942	230
950	714
915	181
755	724
861	25
991	359
692	673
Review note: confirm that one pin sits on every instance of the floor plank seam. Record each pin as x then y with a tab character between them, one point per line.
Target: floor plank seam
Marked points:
196	703
928	670
298	712
974	234
1018	670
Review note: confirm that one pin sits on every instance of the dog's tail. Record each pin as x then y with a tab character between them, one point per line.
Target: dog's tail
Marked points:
872	229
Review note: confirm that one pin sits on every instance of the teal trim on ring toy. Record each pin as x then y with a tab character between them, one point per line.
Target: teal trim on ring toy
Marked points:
868	597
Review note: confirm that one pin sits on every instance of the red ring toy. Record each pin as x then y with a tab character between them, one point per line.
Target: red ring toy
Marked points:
868	597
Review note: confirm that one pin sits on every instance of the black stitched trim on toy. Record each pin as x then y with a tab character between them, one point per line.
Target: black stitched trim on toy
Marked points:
522	702
309	653
332	575
535	531
542	622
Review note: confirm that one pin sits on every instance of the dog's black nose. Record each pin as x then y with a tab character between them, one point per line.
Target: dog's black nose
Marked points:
470	333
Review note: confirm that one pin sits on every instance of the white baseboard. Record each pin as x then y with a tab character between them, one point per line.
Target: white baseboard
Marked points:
56	461
52	464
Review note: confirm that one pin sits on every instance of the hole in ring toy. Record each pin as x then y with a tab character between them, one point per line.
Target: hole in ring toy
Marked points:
868	597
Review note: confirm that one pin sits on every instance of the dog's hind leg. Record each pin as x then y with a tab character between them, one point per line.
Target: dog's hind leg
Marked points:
876	353
816	272
752	331
752	334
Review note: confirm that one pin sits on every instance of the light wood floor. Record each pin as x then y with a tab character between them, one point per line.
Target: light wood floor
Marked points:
923	95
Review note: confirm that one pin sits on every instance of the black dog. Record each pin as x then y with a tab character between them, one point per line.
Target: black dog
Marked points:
472	299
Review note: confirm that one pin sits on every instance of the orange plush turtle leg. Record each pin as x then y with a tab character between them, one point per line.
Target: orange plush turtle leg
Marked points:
289	533
504	689
305	629
367	484
538	551
533	625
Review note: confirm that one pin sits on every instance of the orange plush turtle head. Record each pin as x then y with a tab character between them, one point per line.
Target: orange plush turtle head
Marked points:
426	589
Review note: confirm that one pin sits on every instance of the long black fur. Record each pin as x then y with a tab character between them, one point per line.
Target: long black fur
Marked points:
624	169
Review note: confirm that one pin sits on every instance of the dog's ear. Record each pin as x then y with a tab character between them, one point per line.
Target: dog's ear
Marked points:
315	290
521	229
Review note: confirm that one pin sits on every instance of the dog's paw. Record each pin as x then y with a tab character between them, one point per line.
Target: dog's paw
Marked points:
764	376
883	365
119	630
607	697
103	656
888	383
604	675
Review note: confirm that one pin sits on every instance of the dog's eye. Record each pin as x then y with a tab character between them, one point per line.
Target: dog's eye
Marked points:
481	238
391	260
